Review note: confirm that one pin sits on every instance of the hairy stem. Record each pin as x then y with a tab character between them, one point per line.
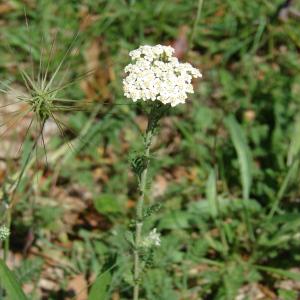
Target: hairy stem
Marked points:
139	216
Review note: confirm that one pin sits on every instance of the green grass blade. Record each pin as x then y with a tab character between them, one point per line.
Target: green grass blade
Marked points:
293	167
290	177
282	273
211	193
244	155
214	207
294	148
100	287
10	283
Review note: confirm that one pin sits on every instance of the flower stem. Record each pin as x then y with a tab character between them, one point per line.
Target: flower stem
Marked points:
139	215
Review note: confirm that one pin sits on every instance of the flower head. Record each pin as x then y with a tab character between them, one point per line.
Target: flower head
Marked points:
33	109
155	74
4	233
153	239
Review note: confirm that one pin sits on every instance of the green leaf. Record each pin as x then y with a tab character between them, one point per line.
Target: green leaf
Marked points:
288	179
244	155
100	288
129	238
214	243
107	203
283	273
29	270
211	193
10	283
294	148
233	279
287	294
225	206
175	220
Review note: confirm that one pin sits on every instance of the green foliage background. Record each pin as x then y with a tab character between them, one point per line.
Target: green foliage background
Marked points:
229	158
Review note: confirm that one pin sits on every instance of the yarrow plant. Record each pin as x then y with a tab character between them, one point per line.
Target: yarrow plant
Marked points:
156	74
158	78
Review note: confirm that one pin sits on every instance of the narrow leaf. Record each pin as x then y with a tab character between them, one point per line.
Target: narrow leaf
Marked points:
211	193
10	283
100	288
283	273
294	148
244	156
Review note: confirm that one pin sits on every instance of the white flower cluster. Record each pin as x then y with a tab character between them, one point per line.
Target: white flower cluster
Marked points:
153	239
156	75
4	233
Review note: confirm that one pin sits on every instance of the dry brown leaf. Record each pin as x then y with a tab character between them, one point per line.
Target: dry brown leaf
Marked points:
6	7
28	288
159	186
92	54
86	19
48	285
115	296
142	122
255	291
196	270
181	44
74	200
289	284
79	286
101	174
52	275
180	172
96	86
130	203
3	168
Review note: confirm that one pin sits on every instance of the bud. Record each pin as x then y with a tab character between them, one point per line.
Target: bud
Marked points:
4	233
153	239
249	115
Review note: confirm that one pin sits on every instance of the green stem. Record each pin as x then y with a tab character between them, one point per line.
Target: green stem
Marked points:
6	242
139	216
15	187
199	9
284	186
